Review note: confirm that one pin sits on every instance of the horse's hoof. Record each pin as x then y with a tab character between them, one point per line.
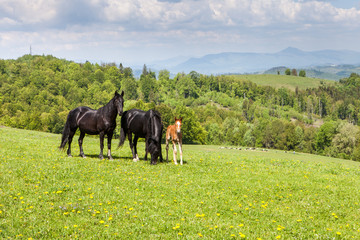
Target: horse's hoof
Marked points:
69	155
135	159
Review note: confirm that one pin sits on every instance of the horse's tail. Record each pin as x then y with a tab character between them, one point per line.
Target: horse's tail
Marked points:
122	131
66	132
122	137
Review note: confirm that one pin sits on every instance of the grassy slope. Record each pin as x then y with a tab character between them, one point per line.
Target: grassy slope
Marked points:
278	81
217	194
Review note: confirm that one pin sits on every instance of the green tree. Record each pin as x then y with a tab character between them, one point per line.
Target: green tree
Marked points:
325	136
345	140
130	86
302	73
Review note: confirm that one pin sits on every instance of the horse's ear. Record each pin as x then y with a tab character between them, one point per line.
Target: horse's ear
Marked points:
175	119
122	93
181	119
116	93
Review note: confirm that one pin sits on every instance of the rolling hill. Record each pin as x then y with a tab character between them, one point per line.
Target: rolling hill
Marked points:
235	62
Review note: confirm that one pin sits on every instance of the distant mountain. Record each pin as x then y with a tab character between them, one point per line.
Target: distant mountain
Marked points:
233	62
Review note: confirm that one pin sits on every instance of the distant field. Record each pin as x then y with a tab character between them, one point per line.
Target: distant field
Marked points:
290	82
216	194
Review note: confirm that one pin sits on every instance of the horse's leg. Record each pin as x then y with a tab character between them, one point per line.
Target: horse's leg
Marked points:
109	138
135	147
146	149
174	152
180	150
82	135
102	136
131	146
161	156
71	135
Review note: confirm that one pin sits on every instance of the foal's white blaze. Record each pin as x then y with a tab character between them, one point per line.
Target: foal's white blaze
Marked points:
178	127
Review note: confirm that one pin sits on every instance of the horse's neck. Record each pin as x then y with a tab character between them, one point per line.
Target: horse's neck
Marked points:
110	108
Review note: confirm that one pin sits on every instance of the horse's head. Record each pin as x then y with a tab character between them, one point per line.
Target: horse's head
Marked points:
178	122
119	102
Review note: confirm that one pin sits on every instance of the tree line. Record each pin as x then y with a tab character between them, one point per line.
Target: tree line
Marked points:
37	92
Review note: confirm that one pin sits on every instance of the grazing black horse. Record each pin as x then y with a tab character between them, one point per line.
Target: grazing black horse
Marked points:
93	122
146	125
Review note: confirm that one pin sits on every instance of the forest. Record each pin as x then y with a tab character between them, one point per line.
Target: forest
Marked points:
37	93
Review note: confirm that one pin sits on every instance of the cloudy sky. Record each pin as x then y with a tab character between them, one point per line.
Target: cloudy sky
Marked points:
142	31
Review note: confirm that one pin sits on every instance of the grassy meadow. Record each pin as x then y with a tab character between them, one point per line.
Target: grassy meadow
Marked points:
285	81
217	194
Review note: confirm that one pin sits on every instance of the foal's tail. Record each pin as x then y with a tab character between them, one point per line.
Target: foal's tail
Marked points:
65	133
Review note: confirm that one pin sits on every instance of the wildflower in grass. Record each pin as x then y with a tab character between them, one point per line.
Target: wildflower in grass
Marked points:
278	237
75	226
299	220
180	234
338	233
101	221
200	235
280	228
242	235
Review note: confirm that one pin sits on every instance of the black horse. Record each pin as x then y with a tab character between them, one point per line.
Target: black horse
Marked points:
93	122
146	125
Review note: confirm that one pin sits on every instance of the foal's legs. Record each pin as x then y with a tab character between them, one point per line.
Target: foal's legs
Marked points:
180	150
167	150
109	138
174	152
102	136
82	135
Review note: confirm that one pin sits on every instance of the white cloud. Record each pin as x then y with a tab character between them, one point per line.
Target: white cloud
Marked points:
176	25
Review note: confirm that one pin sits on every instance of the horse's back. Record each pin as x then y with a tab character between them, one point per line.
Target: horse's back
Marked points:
135	120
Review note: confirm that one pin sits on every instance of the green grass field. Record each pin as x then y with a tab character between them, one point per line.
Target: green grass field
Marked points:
279	81
216	194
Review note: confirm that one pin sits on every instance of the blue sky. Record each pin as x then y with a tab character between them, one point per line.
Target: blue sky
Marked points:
143	31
